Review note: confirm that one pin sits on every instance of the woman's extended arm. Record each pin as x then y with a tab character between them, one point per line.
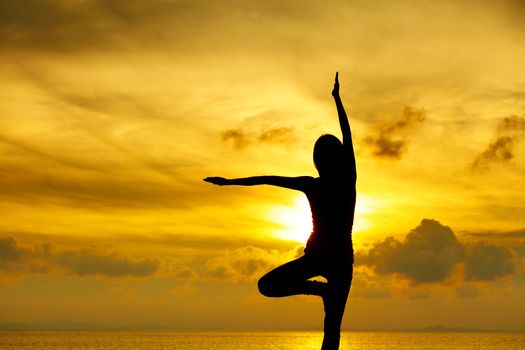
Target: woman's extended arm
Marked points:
295	183
343	122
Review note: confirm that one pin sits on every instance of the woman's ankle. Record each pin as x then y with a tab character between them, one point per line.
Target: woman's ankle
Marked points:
316	288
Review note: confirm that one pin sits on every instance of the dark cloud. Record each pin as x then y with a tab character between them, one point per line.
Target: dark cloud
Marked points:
46	258
92	262
513	239
500	150
9	249
486	261
431	253
237	137
389	139
241	139
510	131
193	245
512	123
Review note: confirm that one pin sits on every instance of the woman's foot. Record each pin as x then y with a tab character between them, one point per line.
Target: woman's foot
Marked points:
316	288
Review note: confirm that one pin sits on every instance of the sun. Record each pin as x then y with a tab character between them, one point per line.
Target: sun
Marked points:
295	221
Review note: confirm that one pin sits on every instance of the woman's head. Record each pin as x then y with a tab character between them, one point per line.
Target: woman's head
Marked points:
328	151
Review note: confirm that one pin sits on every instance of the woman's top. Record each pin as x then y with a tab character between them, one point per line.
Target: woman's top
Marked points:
332	202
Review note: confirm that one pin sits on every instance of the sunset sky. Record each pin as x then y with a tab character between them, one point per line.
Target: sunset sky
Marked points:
113	112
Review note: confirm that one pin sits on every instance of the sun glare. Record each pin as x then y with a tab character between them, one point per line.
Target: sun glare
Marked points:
295	221
363	207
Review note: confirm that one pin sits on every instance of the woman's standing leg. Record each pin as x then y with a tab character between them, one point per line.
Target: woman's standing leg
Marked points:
334	301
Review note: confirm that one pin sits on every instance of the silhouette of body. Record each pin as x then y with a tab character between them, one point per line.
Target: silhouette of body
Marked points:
329	252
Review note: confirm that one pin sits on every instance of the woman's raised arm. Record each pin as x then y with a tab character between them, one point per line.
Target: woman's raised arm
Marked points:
343	122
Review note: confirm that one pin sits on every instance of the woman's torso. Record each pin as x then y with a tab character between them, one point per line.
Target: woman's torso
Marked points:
332	203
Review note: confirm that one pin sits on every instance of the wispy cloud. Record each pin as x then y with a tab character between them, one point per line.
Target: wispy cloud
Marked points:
500	150
87	26
509	131
241	139
389	139
517	234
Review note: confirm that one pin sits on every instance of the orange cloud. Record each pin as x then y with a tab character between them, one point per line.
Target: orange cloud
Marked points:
247	263
81	262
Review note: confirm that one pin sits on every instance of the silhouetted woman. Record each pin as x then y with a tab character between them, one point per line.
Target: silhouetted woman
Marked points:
329	252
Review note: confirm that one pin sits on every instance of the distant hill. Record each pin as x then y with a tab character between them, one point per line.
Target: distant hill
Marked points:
53	325
446	329
68	325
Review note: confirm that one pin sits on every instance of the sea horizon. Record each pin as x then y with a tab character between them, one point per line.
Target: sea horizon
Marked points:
255	340
69	325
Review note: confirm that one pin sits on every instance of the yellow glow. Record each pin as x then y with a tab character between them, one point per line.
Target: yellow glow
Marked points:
295	221
364	207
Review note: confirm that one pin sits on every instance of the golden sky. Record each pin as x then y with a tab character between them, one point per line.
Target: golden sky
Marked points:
112	112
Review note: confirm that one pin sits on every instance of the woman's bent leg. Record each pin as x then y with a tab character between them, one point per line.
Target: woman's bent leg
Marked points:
292	279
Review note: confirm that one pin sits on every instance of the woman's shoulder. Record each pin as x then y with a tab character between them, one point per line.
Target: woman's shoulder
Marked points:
307	183
307	180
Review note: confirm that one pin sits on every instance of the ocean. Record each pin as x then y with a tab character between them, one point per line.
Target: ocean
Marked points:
99	340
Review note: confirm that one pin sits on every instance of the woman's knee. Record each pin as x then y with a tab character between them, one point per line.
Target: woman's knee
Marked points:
265	286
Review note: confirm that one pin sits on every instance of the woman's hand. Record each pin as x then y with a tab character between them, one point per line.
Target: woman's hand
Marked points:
216	180
335	91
